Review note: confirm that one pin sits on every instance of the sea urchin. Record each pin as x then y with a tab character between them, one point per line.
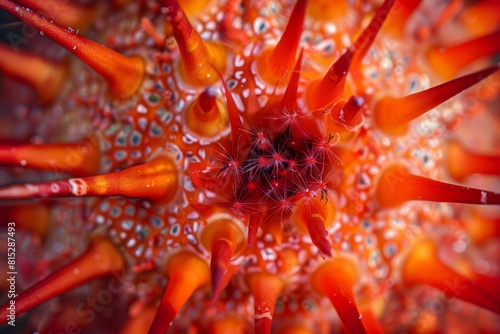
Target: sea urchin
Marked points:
235	166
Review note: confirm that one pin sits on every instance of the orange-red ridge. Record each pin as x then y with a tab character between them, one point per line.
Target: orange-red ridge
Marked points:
78	159
156	180
396	186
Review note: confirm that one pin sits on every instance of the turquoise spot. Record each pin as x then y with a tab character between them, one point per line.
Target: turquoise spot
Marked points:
370	241
107	163
175	230
389	250
155	130
171	83
374	256
112	129
143	233
115	212
366	224
135	154
231	84
126	129
143	123
127	224
135	138
130	210
104	206
156	221
139	250
120	141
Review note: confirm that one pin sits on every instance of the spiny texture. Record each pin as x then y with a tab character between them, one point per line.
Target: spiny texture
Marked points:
250	166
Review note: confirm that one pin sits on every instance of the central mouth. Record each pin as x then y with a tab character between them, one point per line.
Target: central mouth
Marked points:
278	176
281	169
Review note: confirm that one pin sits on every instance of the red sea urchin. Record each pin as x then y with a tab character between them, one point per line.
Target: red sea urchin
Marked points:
232	180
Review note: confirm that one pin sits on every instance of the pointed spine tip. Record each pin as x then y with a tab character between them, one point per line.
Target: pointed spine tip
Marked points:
392	115
186	273
336	279
462	163
207	116
79	17
44	76
481	17
348	115
482	229
221	254
397	19
447	61
289	99
157	180
78	159
223	238
74	274
200	60
254	223
314	215
365	40
274	63
123	74
238	132
138	323
265	289
440	276
327	91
